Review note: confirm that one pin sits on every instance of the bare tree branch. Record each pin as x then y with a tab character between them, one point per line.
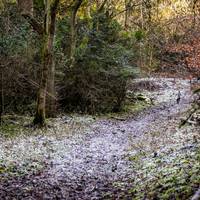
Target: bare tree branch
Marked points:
132	6
102	6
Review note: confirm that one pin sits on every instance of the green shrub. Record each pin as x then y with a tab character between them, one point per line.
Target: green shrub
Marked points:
19	61
90	90
97	83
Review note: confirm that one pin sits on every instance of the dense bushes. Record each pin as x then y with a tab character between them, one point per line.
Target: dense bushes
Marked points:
18	86
97	83
91	90
19	63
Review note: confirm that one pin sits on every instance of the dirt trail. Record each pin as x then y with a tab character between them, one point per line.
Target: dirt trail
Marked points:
85	166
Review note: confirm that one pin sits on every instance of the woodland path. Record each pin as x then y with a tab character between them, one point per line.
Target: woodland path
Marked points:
88	165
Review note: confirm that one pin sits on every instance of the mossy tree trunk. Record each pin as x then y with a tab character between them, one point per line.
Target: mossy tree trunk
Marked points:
51	93
41	98
74	10
127	13
46	91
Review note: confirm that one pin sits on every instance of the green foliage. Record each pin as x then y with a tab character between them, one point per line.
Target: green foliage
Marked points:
13	126
97	83
19	58
62	40
166	177
103	51
90	90
38	4
139	35
13	37
9	130
16	170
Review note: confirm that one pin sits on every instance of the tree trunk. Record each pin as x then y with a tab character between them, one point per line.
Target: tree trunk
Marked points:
51	93
126	19
47	32
46	91
73	39
74	11
41	99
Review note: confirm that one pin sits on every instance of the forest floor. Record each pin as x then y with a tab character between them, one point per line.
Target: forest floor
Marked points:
135	156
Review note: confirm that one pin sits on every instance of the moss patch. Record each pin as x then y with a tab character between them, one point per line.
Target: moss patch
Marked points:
10	130
128	110
13	126
174	175
13	169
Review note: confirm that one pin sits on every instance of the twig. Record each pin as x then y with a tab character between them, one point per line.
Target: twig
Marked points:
186	120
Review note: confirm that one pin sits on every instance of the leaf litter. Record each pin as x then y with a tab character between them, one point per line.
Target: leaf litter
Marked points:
82	157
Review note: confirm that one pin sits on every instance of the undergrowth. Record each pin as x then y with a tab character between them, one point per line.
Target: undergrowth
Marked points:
169	176
13	169
13	126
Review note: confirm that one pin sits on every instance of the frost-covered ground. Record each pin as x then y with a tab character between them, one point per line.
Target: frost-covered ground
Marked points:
86	158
